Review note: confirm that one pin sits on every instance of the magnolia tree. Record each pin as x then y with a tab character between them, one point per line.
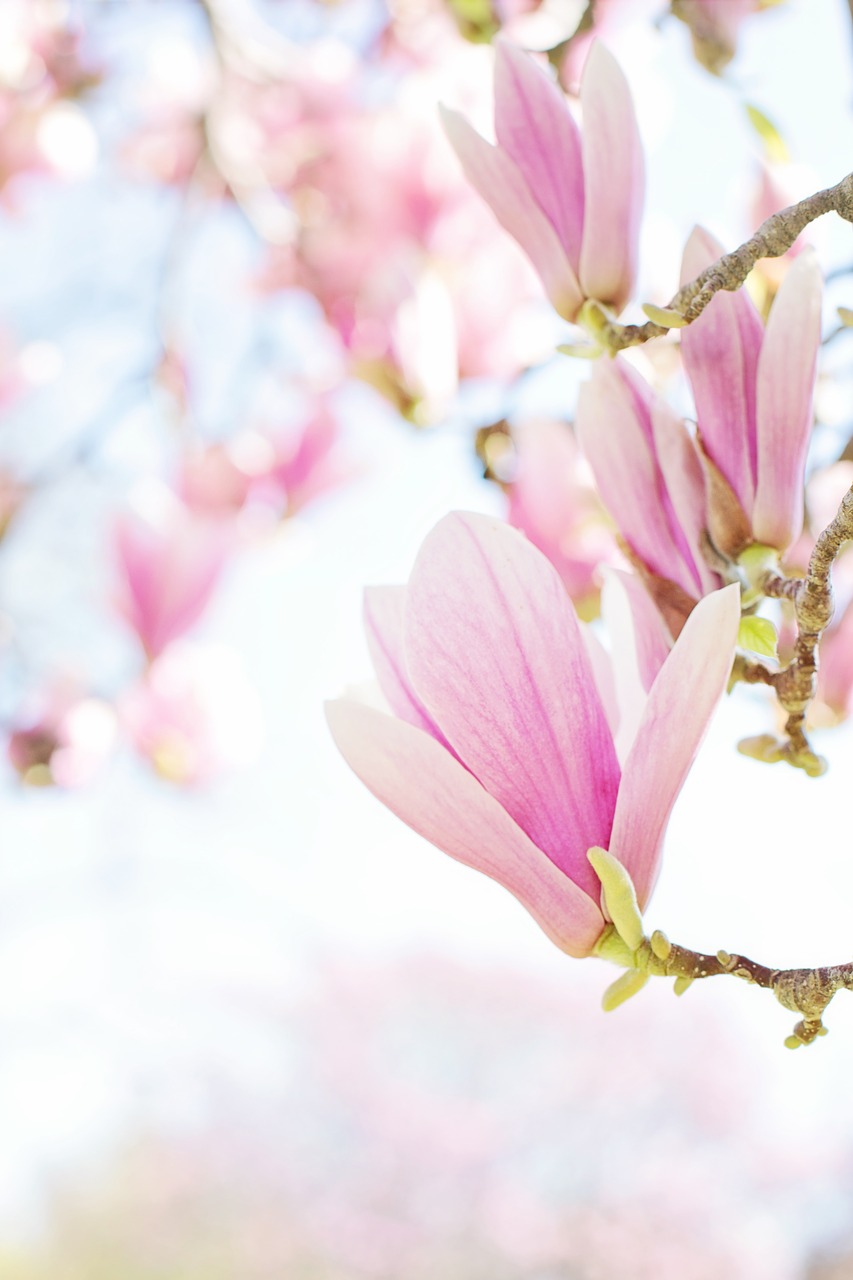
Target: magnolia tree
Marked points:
512	736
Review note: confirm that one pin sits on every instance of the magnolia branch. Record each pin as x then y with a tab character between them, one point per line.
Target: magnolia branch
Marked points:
624	942
807	992
796	684
773	238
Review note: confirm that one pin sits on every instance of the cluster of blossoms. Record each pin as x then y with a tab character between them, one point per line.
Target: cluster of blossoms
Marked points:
191	711
514	742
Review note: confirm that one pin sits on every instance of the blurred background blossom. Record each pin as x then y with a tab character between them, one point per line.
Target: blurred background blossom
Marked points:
256	337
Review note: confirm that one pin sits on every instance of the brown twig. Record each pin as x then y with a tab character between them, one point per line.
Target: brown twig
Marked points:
804	991
812	597
773	238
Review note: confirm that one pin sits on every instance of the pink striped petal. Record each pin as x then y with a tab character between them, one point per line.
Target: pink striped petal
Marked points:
613	426
383	621
613	181
430	791
720	352
535	128
502	186
677	714
786	375
495	654
685	484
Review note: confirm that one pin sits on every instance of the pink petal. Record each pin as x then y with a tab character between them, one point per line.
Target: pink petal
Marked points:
169	566
613	179
720	352
613	425
495	653
502	186
383	621
685	484
430	791
786	375
679	708
652	641
535	128
604	675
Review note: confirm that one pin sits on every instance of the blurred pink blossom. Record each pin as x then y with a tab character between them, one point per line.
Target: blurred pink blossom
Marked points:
305	458
169	561
42	128
553	502
193	715
444	1121
410	270
211	482
65	740
714	26
499	749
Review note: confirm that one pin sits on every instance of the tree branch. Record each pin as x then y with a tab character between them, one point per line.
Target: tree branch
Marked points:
773	238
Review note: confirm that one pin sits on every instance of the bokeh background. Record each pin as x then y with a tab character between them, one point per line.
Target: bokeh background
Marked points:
256	337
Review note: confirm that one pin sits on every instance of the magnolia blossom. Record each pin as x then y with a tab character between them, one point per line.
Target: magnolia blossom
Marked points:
572	200
64	739
650	479
193	715
169	562
753	388
500	748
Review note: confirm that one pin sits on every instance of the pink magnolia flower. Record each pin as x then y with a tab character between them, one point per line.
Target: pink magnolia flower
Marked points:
498	749
753	388
649	476
572	200
169	562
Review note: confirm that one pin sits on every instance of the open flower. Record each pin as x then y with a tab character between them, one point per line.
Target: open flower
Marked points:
753	388
499	749
572	200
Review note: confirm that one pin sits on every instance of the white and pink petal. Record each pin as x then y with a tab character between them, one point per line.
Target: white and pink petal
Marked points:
675	719
495	654
419	781
785	392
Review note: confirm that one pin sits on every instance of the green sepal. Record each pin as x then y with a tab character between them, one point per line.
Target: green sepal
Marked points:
620	897
580	350
625	986
758	635
755	563
666	317
614	949
775	147
845	315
